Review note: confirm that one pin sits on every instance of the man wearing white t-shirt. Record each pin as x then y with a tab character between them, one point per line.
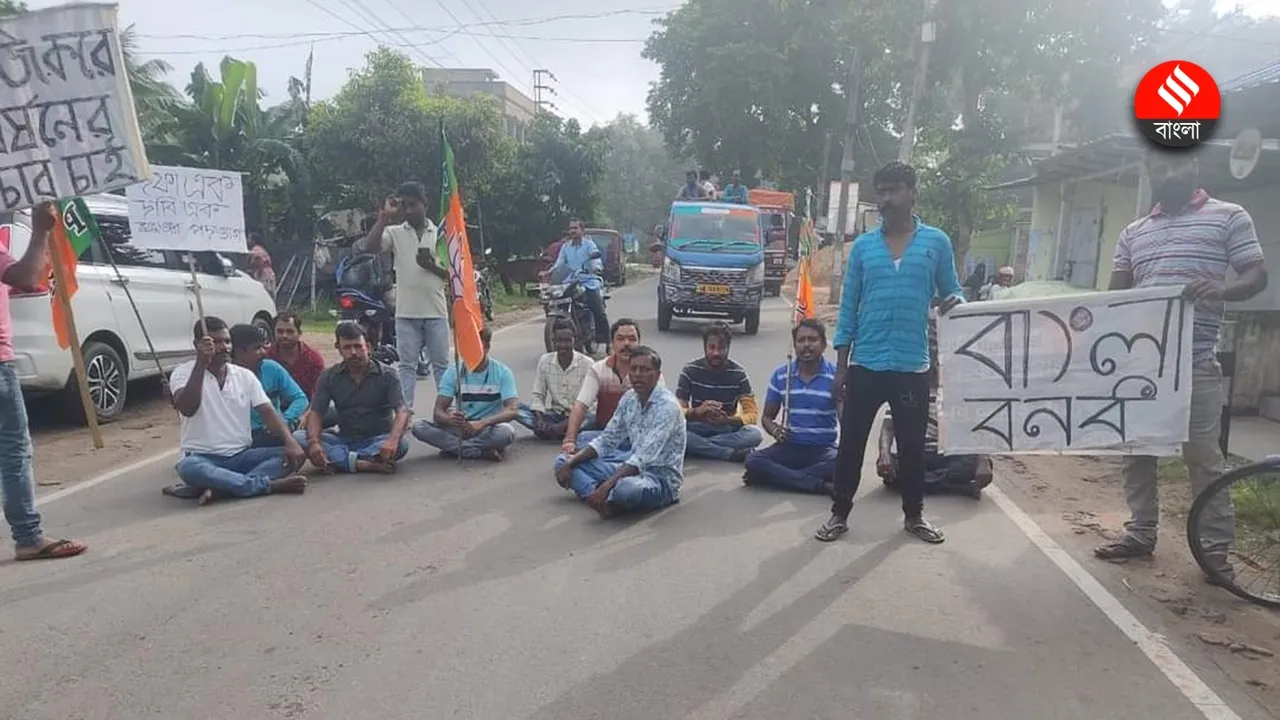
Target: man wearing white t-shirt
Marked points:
215	400
422	313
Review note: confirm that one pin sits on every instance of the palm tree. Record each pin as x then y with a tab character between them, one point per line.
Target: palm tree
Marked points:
153	98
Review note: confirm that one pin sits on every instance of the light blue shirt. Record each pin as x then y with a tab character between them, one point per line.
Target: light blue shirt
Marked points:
656	433
735	193
884	306
578	257
484	392
285	394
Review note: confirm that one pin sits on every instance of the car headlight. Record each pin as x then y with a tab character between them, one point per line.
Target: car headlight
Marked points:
755	274
670	269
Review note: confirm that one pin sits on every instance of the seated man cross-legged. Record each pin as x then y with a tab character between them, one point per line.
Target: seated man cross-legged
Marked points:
650	474
372	416
248	351
720	408
214	398
803	455
559	379
474	409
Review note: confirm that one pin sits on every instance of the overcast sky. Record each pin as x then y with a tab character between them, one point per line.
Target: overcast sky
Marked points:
596	80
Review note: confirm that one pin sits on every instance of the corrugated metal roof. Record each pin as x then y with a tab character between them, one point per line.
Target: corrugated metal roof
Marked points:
1265	75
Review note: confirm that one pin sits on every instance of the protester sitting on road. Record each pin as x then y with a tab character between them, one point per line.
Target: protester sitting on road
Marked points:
720	409
474	413
304	363
559	378
247	351
956	474
735	192
17	479
372	414
650	423
606	382
803	456
215	399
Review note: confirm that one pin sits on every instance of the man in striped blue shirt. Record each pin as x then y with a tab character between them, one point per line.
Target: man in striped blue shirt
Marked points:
803	455
893	274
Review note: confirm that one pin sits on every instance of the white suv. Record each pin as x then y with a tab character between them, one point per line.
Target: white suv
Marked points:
115	349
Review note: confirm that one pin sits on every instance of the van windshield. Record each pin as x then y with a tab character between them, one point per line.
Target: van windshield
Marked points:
715	229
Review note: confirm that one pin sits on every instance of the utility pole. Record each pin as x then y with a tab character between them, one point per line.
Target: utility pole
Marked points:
853	88
540	103
928	33
824	182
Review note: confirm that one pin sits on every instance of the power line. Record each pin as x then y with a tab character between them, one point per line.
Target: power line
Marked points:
348	36
376	22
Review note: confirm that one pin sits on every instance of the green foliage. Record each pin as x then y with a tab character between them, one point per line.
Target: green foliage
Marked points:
640	178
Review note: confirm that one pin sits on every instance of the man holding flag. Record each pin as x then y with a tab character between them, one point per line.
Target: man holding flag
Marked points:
17	481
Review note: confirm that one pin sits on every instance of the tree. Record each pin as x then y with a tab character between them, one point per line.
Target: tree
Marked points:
382	129
639	178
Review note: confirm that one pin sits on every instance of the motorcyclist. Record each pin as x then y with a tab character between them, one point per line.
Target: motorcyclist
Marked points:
581	254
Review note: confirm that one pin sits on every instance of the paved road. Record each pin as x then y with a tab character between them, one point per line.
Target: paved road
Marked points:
485	592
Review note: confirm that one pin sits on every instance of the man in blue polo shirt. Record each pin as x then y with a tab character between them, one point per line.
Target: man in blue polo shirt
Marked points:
803	455
475	409
893	274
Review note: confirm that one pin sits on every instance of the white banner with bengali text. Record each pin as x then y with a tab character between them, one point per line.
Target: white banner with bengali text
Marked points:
1105	373
182	208
67	122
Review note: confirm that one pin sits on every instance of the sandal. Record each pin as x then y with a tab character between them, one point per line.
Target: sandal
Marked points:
1123	549
924	530
56	550
832	529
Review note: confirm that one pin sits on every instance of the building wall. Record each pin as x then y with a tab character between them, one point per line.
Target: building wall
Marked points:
517	109
1117	203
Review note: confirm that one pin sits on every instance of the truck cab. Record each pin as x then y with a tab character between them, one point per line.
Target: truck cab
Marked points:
712	264
778	226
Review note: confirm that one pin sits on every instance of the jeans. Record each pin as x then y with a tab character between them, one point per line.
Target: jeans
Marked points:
248	473
1203	458
619	453
804	468
494	437
908	397
343	453
412	335
594	300
719	442
527	418
634	493
17	481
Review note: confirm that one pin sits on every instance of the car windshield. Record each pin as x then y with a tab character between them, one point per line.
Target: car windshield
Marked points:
714	226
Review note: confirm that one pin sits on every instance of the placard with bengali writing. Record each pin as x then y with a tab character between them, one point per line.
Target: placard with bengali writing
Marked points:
1096	374
67	123
182	208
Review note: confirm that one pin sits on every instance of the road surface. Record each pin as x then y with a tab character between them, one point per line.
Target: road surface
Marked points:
485	592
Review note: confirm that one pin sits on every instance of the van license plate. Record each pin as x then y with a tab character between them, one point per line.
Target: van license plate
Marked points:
713	289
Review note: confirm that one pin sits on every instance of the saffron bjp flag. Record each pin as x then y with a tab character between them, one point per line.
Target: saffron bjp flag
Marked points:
804	285
73	234
455	253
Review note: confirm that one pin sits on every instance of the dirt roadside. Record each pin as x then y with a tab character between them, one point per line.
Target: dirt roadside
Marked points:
64	455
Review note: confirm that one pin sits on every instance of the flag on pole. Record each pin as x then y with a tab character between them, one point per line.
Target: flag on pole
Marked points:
804	285
73	234
454	250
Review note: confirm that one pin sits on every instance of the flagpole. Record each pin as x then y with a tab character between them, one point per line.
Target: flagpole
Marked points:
123	282
77	356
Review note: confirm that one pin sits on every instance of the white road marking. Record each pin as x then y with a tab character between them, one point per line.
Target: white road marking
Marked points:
148	461
1151	644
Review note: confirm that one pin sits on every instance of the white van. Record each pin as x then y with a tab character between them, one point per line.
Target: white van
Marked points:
115	348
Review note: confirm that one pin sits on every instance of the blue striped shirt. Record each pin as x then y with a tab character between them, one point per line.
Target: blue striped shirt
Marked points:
884	306
811	413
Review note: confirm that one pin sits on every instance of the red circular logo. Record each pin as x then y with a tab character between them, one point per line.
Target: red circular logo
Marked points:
1177	90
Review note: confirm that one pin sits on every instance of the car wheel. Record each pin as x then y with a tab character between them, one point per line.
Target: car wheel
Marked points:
264	324
753	322
664	317
108	381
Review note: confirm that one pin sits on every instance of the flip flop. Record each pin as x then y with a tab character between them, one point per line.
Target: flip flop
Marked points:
56	550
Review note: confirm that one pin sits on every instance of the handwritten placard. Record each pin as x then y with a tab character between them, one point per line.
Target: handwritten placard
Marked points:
1091	374
67	123
183	208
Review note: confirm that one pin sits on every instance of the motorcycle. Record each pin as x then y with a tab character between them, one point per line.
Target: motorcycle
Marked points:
362	296
483	288
564	298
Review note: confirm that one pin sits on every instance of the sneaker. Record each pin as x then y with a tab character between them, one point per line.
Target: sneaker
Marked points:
1123	549
924	530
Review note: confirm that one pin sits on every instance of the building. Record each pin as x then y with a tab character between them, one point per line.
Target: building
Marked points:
1084	196
518	109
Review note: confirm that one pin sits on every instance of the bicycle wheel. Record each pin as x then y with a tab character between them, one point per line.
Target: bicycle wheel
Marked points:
1250	567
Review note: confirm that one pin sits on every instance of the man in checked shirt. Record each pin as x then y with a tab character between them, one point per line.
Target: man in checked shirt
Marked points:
556	386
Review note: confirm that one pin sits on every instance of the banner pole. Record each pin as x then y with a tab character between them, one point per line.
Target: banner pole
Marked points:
123	282
195	287
77	356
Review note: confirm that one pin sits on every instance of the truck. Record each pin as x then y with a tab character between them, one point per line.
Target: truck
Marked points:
777	222
712	263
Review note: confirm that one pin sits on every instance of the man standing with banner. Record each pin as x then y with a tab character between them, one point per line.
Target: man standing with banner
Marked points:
17	481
